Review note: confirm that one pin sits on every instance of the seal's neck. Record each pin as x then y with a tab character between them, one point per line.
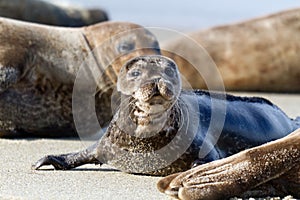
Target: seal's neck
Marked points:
126	137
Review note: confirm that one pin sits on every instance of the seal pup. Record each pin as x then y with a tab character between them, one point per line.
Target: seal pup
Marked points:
44	12
256	55
272	169
38	68
159	129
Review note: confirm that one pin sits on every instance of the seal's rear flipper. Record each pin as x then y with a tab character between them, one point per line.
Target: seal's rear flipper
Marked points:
250	170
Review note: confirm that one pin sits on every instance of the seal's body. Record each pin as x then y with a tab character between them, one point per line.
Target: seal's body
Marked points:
160	129
248	122
38	68
45	12
254	55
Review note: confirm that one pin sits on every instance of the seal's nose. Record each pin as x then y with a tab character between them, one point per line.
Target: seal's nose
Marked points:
166	89
156	91
157	87
156	80
147	91
162	88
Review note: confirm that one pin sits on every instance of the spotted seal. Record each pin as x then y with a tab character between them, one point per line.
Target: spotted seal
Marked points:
159	129
38	68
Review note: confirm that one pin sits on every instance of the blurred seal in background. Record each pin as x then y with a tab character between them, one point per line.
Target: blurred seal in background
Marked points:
44	12
261	54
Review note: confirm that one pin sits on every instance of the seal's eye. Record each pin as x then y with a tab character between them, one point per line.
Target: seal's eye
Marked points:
126	47
170	72
134	73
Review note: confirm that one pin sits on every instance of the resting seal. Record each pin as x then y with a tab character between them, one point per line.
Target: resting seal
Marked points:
38	68
153	131
255	55
44	12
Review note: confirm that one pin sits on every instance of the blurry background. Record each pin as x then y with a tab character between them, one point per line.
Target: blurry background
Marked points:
184	15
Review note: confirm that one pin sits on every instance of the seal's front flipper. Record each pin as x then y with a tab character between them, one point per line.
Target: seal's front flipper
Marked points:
8	77
61	162
68	161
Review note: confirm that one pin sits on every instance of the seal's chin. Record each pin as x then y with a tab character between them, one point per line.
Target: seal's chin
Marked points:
151	116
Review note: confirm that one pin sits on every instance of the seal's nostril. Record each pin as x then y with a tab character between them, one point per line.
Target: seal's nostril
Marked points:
156	90
156	80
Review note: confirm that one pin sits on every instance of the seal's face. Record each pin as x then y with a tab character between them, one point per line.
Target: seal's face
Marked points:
133	43
153	86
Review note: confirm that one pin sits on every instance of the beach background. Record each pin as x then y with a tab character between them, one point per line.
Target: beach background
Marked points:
184	15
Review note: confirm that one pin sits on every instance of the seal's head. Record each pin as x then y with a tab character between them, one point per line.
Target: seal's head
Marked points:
153	85
114	43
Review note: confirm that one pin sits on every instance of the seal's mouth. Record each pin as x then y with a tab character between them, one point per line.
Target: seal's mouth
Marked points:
156	104
156	100
151	101
145	112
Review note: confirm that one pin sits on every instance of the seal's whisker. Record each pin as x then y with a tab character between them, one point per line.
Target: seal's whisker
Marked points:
127	104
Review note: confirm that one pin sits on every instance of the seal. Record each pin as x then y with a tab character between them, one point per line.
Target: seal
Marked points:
255	55
39	64
50	13
159	129
271	169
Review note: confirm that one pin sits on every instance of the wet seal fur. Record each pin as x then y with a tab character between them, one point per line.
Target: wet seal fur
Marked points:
38	68
151	116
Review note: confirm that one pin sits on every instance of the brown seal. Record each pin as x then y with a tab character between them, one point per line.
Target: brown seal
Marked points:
159	130
44	12
38	67
256	55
